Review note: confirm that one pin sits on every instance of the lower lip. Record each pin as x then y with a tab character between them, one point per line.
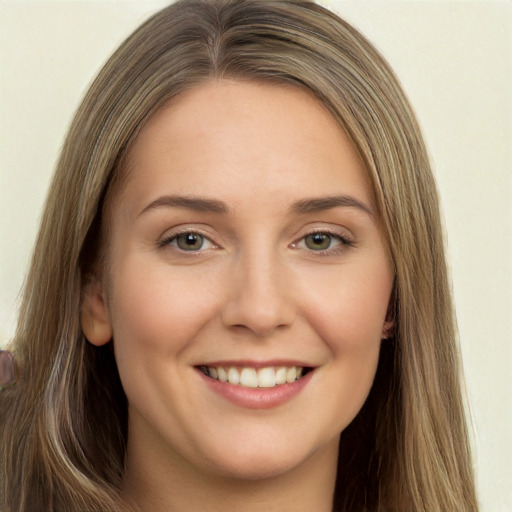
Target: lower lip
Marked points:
257	398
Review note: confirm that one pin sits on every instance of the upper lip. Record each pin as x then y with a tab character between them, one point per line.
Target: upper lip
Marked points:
246	363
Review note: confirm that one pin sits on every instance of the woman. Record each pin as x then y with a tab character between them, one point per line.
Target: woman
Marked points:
239	293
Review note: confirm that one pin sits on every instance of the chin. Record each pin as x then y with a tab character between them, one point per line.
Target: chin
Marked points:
257	468
256	462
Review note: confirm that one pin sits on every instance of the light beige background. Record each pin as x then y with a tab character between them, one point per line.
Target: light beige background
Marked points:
455	61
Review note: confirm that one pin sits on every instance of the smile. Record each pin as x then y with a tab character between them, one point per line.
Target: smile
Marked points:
267	377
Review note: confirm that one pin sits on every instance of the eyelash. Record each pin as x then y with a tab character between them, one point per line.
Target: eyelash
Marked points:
343	239
167	241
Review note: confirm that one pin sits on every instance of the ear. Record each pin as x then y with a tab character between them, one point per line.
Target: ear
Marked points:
388	329
94	314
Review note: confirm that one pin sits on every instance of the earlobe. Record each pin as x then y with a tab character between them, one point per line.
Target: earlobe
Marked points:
94	314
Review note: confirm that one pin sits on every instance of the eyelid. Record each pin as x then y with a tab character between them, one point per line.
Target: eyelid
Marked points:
346	240
170	236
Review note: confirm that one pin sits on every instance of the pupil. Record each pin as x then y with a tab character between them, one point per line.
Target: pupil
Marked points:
318	241
190	241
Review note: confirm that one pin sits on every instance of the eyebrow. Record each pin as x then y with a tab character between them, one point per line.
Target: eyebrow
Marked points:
304	206
318	204
199	204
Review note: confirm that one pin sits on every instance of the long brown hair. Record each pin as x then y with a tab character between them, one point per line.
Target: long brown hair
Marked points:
64	424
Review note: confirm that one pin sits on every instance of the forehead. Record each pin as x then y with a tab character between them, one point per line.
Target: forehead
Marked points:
234	139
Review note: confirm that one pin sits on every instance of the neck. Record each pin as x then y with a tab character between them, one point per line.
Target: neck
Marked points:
173	486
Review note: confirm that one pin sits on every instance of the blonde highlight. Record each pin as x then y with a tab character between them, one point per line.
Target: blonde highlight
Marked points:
408	448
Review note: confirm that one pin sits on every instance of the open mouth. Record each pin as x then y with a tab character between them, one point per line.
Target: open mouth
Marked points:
267	377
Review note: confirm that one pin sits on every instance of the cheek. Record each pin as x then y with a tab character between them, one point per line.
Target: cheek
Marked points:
348	307
349	319
159	308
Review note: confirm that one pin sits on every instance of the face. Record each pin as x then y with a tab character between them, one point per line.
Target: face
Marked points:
247	285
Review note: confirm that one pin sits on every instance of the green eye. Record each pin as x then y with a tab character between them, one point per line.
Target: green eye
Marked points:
190	241
187	241
318	241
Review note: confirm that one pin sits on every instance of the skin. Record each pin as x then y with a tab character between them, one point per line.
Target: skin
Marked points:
255	291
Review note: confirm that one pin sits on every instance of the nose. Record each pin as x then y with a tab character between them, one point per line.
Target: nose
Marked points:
260	298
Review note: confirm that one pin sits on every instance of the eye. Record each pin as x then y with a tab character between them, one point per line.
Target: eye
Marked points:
189	241
320	241
323	241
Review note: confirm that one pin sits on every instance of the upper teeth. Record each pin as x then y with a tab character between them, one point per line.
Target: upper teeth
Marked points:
267	377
